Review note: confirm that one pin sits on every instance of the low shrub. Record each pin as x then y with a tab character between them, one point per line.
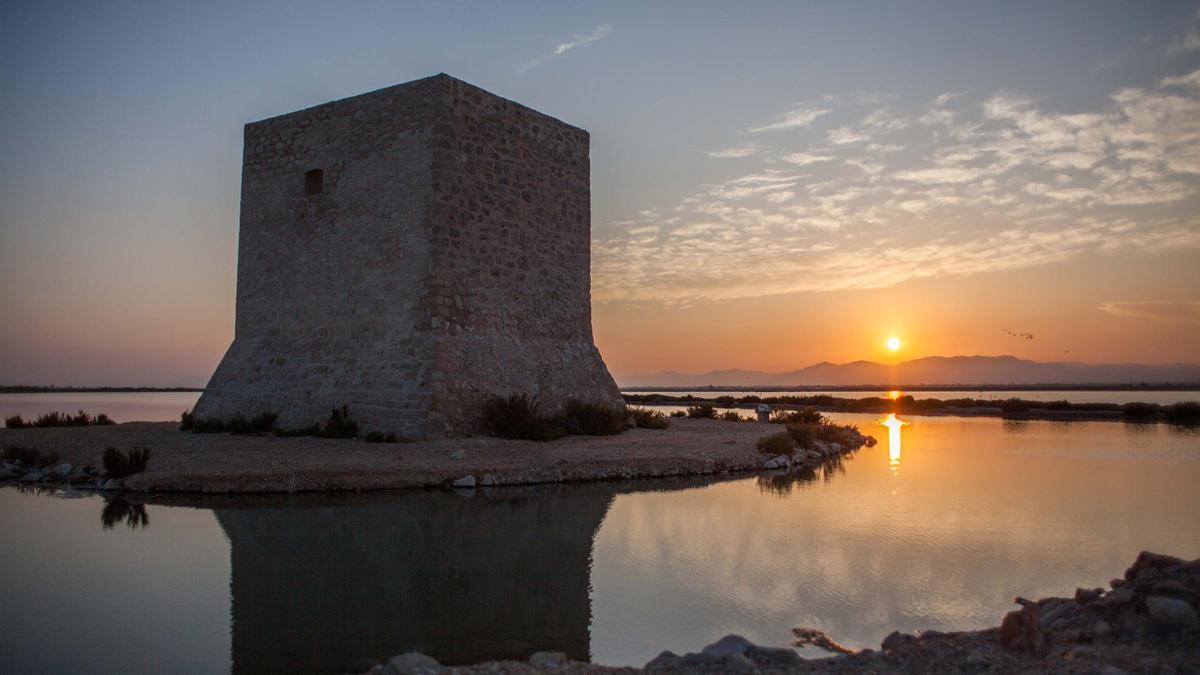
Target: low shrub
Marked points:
731	416
649	419
380	437
310	430
594	419
28	457
779	443
806	434
57	419
1139	411
796	417
339	424
1182	413
1014	405
517	416
208	425
678	413
119	464
262	423
725	401
702	412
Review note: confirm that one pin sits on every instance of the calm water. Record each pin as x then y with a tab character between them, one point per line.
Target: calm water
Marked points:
121	407
1160	397
939	533
166	406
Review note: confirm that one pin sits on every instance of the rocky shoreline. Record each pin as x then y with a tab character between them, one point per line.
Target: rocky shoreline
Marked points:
1147	622
225	463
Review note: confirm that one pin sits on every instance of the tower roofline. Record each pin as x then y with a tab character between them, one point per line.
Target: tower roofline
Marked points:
439	77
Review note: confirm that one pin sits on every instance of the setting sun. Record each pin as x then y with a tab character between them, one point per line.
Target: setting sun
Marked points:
893	343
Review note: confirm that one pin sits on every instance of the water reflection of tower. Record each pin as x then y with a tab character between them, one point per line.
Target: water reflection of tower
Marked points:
331	584
893	424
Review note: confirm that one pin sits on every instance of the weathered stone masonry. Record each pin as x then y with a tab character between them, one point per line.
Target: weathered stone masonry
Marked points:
409	253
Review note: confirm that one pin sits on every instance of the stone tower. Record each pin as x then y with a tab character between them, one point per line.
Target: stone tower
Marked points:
409	253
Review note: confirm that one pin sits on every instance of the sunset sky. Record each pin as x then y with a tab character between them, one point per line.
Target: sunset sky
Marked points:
774	184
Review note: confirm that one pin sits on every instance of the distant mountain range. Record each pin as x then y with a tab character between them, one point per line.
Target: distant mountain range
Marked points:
933	370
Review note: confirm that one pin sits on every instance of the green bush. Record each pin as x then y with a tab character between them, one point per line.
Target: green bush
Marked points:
700	412
797	417
594	419
649	419
780	443
118	464
517	416
806	434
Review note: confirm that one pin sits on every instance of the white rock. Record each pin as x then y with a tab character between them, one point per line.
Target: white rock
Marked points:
771	464
32	477
112	484
464	482
783	460
60	470
458	454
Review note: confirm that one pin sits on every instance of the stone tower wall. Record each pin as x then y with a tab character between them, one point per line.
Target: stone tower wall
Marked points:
445	260
513	251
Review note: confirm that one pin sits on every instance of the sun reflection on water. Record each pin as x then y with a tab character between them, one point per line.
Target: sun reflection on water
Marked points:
893	425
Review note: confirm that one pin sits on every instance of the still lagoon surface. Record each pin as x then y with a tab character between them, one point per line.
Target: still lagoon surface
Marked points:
937	530
166	406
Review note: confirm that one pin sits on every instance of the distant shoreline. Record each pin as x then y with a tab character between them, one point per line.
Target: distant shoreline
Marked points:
1182	413
29	389
1141	386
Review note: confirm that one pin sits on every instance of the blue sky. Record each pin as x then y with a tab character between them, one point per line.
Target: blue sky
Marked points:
739	151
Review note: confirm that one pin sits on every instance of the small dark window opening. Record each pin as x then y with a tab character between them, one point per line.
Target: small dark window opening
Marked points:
314	182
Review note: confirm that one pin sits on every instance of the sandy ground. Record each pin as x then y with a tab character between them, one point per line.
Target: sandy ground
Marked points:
221	463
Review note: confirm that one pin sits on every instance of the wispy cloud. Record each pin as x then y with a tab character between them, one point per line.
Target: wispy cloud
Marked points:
963	184
1176	311
578	40
798	118
804	158
737	151
1189	41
